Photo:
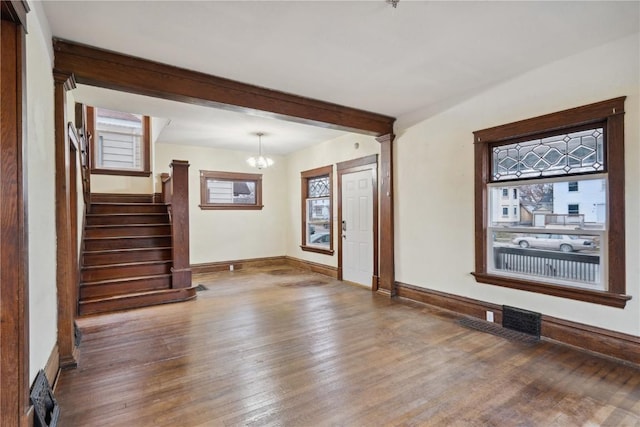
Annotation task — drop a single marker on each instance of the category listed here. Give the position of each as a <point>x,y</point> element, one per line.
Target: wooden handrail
<point>175,193</point>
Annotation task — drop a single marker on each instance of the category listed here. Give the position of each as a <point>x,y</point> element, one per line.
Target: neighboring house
<point>507,209</point>
<point>585,198</point>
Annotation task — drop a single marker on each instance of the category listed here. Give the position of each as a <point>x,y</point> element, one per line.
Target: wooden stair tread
<point>125,264</point>
<point>133,295</point>
<point>126,204</point>
<point>125,237</point>
<point>124,280</point>
<point>126,250</point>
<point>164,224</point>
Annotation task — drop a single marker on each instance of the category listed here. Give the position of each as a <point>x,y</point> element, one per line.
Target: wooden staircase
<point>127,255</point>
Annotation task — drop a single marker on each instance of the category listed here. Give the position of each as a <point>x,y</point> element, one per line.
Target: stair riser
<point>143,230</point>
<point>121,198</point>
<point>122,288</point>
<point>126,256</point>
<point>121,272</point>
<point>107,209</point>
<point>96,307</point>
<point>128,219</point>
<point>139,242</point>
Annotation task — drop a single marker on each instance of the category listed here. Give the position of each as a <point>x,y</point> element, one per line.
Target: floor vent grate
<point>494,329</point>
<point>520,320</point>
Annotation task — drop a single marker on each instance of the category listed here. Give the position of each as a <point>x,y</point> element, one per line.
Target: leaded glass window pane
<point>318,187</point>
<point>565,154</point>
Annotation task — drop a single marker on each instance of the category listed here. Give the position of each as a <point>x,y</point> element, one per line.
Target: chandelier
<point>260,161</point>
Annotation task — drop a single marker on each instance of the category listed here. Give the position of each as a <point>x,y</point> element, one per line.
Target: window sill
<point>316,250</point>
<point>588,295</point>
<point>120,172</point>
<point>231,207</point>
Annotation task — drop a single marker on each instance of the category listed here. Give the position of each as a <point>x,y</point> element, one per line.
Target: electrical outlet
<point>230,267</point>
<point>489,316</point>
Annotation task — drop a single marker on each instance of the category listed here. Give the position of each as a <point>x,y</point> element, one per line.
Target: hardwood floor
<point>280,346</point>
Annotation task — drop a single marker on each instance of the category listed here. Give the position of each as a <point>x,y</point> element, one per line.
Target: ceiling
<point>409,62</point>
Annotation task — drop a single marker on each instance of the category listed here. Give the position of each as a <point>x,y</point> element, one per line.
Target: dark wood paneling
<point>66,269</point>
<point>127,218</point>
<point>111,70</point>
<point>387,261</point>
<point>181,270</point>
<point>14,293</point>
<point>99,208</point>
<point>120,256</point>
<point>591,338</point>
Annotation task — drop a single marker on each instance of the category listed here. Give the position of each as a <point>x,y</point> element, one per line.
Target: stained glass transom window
<point>318,187</point>
<point>565,154</point>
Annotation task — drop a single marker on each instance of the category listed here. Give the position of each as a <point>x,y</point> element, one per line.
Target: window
<point>317,210</point>
<point>505,211</point>
<point>573,209</point>
<point>515,211</point>
<point>555,249</point>
<point>505,192</point>
<point>120,142</point>
<point>515,193</point>
<point>230,191</point>
<point>573,186</point>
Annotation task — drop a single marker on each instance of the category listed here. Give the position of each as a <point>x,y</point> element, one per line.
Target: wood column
<point>14,255</point>
<point>181,270</point>
<point>386,274</point>
<point>66,272</point>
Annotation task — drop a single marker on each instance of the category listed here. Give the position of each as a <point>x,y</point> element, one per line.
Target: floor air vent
<point>495,329</point>
<point>521,320</point>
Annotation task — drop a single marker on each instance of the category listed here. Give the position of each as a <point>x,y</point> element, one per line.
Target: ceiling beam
<point>102,68</point>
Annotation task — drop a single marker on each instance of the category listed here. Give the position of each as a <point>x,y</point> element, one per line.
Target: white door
<point>357,227</point>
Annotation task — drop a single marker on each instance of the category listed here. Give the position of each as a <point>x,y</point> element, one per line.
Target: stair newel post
<point>165,179</point>
<point>181,270</point>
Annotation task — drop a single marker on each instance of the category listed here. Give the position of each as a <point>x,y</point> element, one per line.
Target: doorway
<point>358,221</point>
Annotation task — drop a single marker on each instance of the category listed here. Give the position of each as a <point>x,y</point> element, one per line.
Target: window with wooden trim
<point>317,210</point>
<point>120,142</point>
<point>230,190</point>
<point>566,243</point>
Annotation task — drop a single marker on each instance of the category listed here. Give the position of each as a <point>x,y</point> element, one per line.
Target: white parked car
<point>556,242</point>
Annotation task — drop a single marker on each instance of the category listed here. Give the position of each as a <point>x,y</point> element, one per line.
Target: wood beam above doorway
<point>111,70</point>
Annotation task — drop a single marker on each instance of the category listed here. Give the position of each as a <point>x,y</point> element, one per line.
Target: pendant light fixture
<point>260,161</point>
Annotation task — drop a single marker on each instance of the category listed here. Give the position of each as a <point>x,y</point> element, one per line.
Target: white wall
<point>434,222</point>
<point>225,235</point>
<point>41,188</point>
<point>327,153</point>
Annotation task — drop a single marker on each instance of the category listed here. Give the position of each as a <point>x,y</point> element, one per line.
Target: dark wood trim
<point>66,269</point>
<point>181,269</point>
<point>565,119</point>
<point>387,261</point>
<point>15,11</point>
<point>598,340</point>
<point>369,163</point>
<point>229,176</point>
<point>52,367</point>
<point>98,67</point>
<point>14,262</point>
<point>238,264</point>
<point>120,172</point>
<point>580,294</point>
<point>327,270</point>
<point>611,114</point>
<point>354,163</point>
<point>305,176</point>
